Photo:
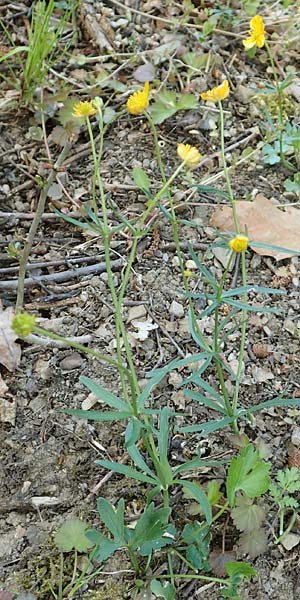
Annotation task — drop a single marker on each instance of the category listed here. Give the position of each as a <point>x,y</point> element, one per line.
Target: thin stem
<point>216,338</point>
<point>225,169</point>
<point>176,234</point>
<point>60,582</point>
<point>243,338</point>
<point>80,347</point>
<point>283,532</point>
<point>120,328</point>
<point>34,226</point>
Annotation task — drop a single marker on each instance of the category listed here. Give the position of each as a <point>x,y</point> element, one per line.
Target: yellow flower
<point>138,101</point>
<point>239,243</point>
<point>190,154</point>
<point>217,93</point>
<point>84,109</point>
<point>23,324</point>
<point>257,33</point>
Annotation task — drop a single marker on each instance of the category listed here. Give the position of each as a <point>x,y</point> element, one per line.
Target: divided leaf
<point>246,515</point>
<point>247,473</point>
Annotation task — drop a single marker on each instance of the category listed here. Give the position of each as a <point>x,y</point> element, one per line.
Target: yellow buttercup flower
<point>239,243</point>
<point>23,324</point>
<point>257,33</point>
<point>217,93</point>
<point>190,154</point>
<point>138,101</point>
<point>84,109</point>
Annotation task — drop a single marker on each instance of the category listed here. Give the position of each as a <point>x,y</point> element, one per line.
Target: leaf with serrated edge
<point>253,542</point>
<point>246,515</point>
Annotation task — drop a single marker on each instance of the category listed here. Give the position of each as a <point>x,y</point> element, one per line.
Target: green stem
<point>134,560</point>
<point>120,328</point>
<point>243,339</point>
<point>61,572</point>
<point>225,169</point>
<point>176,234</point>
<point>80,347</point>
<point>216,339</point>
<point>283,532</point>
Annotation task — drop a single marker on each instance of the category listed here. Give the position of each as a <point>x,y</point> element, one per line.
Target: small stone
<point>296,436</point>
<point>72,361</point>
<point>177,309</point>
<point>222,255</point>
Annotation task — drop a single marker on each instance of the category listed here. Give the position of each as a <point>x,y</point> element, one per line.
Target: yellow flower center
<point>239,243</point>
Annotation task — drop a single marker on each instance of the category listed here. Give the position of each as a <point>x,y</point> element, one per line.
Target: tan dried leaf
<point>10,352</point>
<point>266,223</point>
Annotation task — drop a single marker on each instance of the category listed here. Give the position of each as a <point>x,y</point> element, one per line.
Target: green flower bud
<point>23,324</point>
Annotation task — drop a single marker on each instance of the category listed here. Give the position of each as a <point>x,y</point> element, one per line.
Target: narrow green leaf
<point>113,519</point>
<point>196,463</point>
<point>96,415</point>
<point>141,178</point>
<point>274,402</point>
<point>103,394</point>
<point>272,247</point>
<point>215,405</point>
<point>208,427</point>
<point>251,308</point>
<point>205,272</point>
<point>251,288</point>
<point>138,460</point>
<point>163,433</point>
<point>128,471</point>
<point>199,495</point>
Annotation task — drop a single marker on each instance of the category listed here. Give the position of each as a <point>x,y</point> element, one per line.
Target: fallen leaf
<point>218,560</point>
<point>10,352</point>
<point>266,223</point>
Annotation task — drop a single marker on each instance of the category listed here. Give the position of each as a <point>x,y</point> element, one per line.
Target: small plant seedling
<point>72,536</point>
<point>283,493</point>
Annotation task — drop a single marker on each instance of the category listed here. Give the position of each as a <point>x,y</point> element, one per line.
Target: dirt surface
<point>48,469</point>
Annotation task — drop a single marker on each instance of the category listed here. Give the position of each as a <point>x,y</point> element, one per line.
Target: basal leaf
<point>253,542</point>
<point>247,472</point>
<point>72,535</point>
<point>246,515</point>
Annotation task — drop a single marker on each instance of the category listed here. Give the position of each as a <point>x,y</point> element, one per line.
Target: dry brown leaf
<point>266,223</point>
<point>218,560</point>
<point>10,352</point>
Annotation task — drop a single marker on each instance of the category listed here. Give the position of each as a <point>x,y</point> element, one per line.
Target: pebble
<point>296,436</point>
<point>72,361</point>
<point>177,309</point>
